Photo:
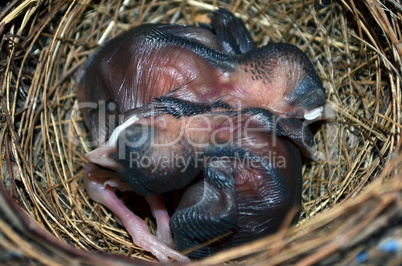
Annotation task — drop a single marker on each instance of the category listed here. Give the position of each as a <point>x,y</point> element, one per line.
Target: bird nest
<point>352,192</point>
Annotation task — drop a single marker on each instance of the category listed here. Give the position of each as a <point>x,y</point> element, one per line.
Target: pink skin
<point>131,70</point>
<point>158,208</point>
<point>162,217</point>
<point>99,189</point>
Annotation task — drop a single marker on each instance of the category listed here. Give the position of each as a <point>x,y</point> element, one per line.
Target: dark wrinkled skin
<point>152,60</point>
<point>248,199</point>
<point>208,72</point>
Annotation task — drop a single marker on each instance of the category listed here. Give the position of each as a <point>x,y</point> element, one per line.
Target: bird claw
<point>99,190</point>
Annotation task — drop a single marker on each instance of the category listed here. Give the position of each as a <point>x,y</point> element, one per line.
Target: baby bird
<point>241,170</point>
<point>197,65</point>
<point>152,85</point>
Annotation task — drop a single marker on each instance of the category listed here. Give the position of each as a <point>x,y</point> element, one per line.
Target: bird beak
<point>101,155</point>
<point>313,113</point>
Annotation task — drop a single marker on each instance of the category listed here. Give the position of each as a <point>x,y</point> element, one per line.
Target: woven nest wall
<point>352,193</point>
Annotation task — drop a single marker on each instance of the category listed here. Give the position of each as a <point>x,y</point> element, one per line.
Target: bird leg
<point>136,227</point>
<point>162,217</point>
